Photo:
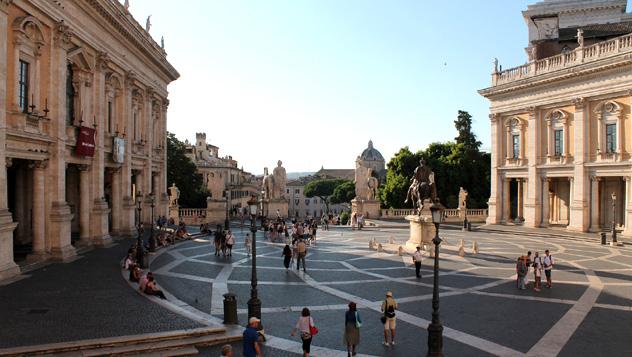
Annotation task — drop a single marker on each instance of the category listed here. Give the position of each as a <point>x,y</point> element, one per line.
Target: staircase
<point>172,343</point>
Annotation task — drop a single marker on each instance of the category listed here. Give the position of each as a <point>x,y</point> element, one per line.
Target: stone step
<point>171,343</point>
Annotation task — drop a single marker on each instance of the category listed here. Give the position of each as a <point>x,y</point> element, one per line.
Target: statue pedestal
<point>215,211</point>
<point>271,205</point>
<point>174,212</point>
<point>422,230</point>
<point>369,208</point>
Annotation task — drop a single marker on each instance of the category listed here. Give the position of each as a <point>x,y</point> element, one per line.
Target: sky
<point>310,82</point>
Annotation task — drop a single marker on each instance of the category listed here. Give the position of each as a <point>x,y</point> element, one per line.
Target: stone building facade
<point>221,175</point>
<point>83,112</point>
<point>302,207</point>
<point>561,124</point>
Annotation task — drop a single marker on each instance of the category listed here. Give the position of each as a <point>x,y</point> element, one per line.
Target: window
<point>559,141</point>
<point>23,87</point>
<point>109,128</point>
<point>287,190</point>
<point>297,191</point>
<point>307,202</point>
<point>70,97</point>
<point>516,146</point>
<point>611,138</point>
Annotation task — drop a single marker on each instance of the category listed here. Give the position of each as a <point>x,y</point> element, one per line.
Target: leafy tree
<point>322,189</point>
<point>183,172</point>
<point>343,193</point>
<point>399,170</point>
<point>463,124</point>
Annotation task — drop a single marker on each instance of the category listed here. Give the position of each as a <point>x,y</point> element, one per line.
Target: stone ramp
<point>171,343</point>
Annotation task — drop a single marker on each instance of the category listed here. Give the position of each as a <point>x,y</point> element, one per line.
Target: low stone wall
<point>452,215</point>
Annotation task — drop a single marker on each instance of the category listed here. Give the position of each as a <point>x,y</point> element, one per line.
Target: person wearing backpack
<point>352,329</point>
<point>388,308</point>
<point>521,271</point>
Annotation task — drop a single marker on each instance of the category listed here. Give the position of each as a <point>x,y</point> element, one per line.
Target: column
<point>620,129</point>
<point>549,140</point>
<point>579,215</point>
<point>495,204</point>
<point>127,211</point>
<point>520,217</point>
<point>594,207</point>
<point>627,203</point>
<point>84,205</point>
<point>39,217</point>
<point>117,200</point>
<point>508,149</point>
<point>60,217</point>
<point>546,201</point>
<point>506,217</point>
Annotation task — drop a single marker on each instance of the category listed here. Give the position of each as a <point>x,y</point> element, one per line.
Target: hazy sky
<point>311,81</point>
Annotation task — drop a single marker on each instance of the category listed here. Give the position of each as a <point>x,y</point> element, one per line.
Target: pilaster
<point>627,231</point>
<point>546,202</point>
<point>39,214</point>
<point>494,204</point>
<point>579,215</point>
<point>532,202</point>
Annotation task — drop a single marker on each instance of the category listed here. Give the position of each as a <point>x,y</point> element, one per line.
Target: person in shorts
<point>388,308</point>
<point>548,266</point>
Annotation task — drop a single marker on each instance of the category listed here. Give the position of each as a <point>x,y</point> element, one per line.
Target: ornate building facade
<point>561,124</point>
<point>221,175</point>
<point>83,112</point>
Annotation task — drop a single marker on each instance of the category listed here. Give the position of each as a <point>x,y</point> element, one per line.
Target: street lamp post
<point>254,304</point>
<point>435,329</point>
<point>152,239</point>
<point>614,218</point>
<point>140,249</point>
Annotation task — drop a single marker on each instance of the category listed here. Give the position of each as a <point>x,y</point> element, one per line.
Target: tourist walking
<point>217,241</point>
<point>548,266</point>
<point>248,244</point>
<point>305,326</point>
<point>417,261</point>
<point>537,271</point>
<point>521,271</point>
<point>230,241</point>
<point>251,339</point>
<point>352,329</point>
<point>301,249</point>
<point>389,320</point>
<point>287,257</point>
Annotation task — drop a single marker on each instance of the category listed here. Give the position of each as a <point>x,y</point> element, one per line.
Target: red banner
<point>86,141</point>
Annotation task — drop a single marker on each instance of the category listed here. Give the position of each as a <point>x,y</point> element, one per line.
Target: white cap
<point>252,320</point>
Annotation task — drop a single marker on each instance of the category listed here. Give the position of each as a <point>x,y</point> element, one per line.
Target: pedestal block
<point>215,211</point>
<point>8,268</point>
<point>59,237</point>
<point>369,208</point>
<point>270,207</point>
<point>422,230</point>
<point>100,235</point>
<point>174,212</point>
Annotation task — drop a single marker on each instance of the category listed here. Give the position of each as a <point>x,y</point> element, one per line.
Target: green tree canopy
<point>183,172</point>
<point>455,164</point>
<point>343,193</point>
<point>322,189</point>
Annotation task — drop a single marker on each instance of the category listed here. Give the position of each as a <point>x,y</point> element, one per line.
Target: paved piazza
<point>481,310</point>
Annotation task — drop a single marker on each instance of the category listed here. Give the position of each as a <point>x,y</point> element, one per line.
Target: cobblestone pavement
<point>482,312</point>
<point>84,299</point>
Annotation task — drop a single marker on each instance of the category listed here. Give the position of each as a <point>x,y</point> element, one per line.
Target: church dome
<point>371,154</point>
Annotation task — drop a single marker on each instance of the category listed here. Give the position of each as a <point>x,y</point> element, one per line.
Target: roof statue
<point>148,23</point>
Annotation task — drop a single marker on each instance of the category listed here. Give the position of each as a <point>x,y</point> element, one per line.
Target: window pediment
<point>29,29</point>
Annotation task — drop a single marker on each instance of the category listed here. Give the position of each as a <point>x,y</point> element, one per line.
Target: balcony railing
<point>578,56</point>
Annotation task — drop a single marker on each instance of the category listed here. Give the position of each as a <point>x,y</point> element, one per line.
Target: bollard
<point>371,245</point>
<point>391,240</point>
<point>469,226</point>
<point>400,251</point>
<point>230,309</point>
<point>379,247</point>
<point>461,251</point>
<point>603,238</point>
<point>475,247</point>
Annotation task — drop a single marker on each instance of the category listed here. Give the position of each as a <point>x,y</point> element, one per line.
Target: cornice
<point>562,74</point>
<point>4,4</point>
<point>117,17</point>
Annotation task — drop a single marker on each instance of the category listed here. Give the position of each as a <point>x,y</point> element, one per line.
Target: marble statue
<point>495,65</point>
<point>580,37</point>
<point>280,180</point>
<point>126,5</point>
<point>462,198</point>
<point>360,181</point>
<point>174,195</point>
<point>148,23</point>
<point>215,185</point>
<point>267,185</point>
<point>162,42</point>
<point>372,184</point>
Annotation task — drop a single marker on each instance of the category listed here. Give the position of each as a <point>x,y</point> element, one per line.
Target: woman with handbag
<point>388,319</point>
<point>352,329</point>
<point>305,325</point>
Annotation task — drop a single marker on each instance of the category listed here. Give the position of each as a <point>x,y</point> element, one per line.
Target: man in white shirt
<point>548,265</point>
<point>417,261</point>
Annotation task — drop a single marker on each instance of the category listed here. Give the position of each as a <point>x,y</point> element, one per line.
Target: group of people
<point>538,265</point>
<point>146,282</point>
<point>357,221</point>
<point>297,253</point>
<point>306,329</point>
<point>223,242</point>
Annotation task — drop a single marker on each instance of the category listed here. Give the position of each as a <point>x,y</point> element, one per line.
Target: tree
<point>463,124</point>
<point>343,193</point>
<point>322,189</point>
<point>183,172</point>
<point>399,170</point>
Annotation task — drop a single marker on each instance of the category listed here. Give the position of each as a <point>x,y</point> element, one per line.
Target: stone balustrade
<point>192,216</point>
<point>397,212</point>
<point>450,214</point>
<point>578,56</point>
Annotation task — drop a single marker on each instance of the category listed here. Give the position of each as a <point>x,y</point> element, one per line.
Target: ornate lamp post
<point>152,239</point>
<point>614,218</point>
<point>435,329</point>
<point>140,249</point>
<point>254,304</point>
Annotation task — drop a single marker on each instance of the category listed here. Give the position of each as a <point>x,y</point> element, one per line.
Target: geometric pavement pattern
<point>587,312</point>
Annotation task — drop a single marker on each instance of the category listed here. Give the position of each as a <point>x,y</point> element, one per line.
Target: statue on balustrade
<point>267,185</point>
<point>422,186</point>
<point>174,195</point>
<point>280,180</point>
<point>372,183</point>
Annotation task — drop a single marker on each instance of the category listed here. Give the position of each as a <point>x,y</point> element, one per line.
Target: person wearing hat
<point>251,339</point>
<point>388,308</point>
